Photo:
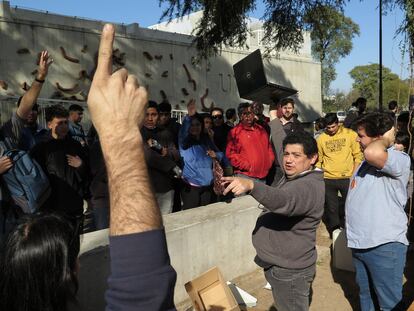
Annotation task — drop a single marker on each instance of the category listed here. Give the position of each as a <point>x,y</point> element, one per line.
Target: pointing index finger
<point>104,68</point>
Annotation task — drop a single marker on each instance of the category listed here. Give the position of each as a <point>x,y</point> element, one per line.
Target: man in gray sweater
<point>285,232</point>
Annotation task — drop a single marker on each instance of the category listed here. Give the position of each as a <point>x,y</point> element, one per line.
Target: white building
<point>162,57</point>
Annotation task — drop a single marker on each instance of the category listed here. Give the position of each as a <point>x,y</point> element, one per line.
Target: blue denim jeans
<point>380,269</point>
<point>291,287</point>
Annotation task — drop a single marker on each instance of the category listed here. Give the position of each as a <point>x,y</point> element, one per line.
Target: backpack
<point>28,185</point>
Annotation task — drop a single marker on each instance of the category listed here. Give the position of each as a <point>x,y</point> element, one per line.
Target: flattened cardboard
<point>209,292</point>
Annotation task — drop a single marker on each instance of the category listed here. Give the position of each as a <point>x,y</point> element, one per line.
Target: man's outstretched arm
<point>141,275</point>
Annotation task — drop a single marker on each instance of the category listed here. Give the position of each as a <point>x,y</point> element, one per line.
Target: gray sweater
<point>285,233</point>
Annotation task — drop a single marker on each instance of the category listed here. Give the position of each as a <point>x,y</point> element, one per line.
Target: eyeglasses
<point>247,113</point>
<point>217,116</point>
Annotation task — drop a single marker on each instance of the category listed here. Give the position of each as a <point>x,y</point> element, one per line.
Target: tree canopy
<point>224,21</point>
<point>366,83</point>
<point>331,34</point>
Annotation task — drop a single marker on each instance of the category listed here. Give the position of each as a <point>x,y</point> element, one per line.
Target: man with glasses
<point>248,147</point>
<point>220,129</point>
<point>75,127</point>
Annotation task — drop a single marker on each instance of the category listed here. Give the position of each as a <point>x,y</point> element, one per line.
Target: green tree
<point>366,83</point>
<point>331,34</point>
<point>224,21</point>
<point>339,101</point>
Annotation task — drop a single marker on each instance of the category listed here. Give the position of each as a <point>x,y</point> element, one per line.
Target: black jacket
<point>68,184</point>
<point>159,167</point>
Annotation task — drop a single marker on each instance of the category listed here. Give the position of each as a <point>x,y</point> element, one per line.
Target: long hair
<point>204,139</point>
<point>38,265</point>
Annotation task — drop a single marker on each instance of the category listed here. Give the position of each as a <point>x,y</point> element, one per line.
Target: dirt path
<point>333,290</point>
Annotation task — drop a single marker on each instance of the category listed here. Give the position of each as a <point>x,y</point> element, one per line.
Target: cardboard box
<point>209,292</point>
<point>342,255</point>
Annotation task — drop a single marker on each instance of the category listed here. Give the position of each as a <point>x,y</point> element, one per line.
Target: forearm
<point>273,199</point>
<point>133,209</point>
<point>29,99</point>
<point>278,135</point>
<point>376,153</point>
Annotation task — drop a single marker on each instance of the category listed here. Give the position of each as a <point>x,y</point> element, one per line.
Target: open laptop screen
<point>249,73</point>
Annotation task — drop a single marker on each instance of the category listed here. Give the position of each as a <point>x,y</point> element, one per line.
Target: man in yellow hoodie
<point>339,155</point>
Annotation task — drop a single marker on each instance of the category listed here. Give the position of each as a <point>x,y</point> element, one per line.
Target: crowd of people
<point>137,163</point>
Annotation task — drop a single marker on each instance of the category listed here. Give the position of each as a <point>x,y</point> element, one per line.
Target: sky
<point>148,12</point>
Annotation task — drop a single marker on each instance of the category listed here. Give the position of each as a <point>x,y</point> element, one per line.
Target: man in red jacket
<point>248,146</point>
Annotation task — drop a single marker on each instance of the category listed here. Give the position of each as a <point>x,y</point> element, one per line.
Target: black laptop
<point>252,83</point>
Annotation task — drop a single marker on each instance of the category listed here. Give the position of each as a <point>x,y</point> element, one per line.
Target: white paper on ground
<point>242,297</point>
<point>267,286</point>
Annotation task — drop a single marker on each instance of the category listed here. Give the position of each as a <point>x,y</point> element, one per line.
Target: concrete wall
<point>198,239</point>
<point>28,32</point>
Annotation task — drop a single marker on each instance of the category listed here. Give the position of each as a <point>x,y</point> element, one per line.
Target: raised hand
<point>44,63</point>
<point>116,101</point>
<point>191,107</point>
<point>117,105</point>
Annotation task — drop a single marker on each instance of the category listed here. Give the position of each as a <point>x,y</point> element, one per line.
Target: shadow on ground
<point>408,289</point>
<point>346,280</point>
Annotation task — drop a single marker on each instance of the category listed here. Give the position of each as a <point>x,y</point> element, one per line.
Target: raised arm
<point>278,134</point>
<point>116,99</point>
<point>30,97</point>
<point>141,275</point>
<point>376,152</point>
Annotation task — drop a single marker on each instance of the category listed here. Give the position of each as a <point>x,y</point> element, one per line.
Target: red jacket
<point>249,150</point>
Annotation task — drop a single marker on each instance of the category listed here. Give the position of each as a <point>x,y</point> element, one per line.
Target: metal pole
<point>380,57</point>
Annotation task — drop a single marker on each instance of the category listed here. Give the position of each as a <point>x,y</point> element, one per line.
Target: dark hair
<point>286,101</point>
<point>241,107</point>
<point>75,107</point>
<point>205,115</point>
<point>404,117</point>
<point>55,111</point>
<point>217,109</point>
<point>331,118</point>
<point>35,105</point>
<point>164,107</point>
<point>190,140</point>
<point>274,106</point>
<point>257,106</point>
<point>152,104</point>
<point>392,105</point>
<point>230,113</point>
<point>375,123</point>
<point>404,139</point>
<point>38,265</point>
<point>303,138</point>
<point>320,123</point>
<point>360,100</point>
